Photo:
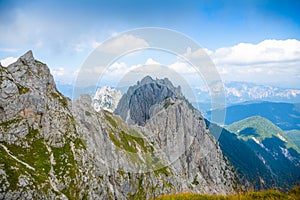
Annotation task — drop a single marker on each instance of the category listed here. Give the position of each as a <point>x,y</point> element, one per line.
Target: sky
<point>254,41</point>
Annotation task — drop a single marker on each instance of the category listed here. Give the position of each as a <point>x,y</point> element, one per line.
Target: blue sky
<point>63,33</point>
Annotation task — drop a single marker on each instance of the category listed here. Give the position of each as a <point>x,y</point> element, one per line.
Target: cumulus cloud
<point>7,61</point>
<point>121,44</point>
<point>64,75</point>
<point>199,53</point>
<point>267,51</point>
<point>150,61</point>
<point>270,61</point>
<point>182,67</point>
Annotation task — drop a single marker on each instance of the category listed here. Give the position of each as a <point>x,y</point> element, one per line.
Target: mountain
<point>284,115</point>
<point>53,148</point>
<point>239,92</point>
<point>260,152</point>
<point>294,136</point>
<point>280,156</point>
<point>253,172</point>
<point>235,93</point>
<point>179,130</point>
<point>137,104</point>
<point>106,98</point>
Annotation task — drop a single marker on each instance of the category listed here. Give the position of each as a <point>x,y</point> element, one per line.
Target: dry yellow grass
<point>293,194</point>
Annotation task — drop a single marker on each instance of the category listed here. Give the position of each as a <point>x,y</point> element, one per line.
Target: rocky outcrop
<point>52,148</point>
<point>40,147</point>
<point>135,106</point>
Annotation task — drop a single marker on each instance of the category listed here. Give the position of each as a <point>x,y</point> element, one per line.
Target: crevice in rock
<point>1,110</point>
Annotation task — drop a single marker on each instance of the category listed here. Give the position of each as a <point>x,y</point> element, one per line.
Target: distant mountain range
<point>241,91</point>
<point>236,92</point>
<point>284,115</point>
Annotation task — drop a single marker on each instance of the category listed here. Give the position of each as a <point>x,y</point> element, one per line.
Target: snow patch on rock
<point>106,98</point>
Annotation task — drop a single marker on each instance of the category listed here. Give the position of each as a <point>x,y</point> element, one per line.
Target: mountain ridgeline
<point>53,148</point>
<point>137,105</point>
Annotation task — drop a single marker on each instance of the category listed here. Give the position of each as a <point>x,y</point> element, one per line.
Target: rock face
<point>52,148</point>
<point>106,98</point>
<point>39,145</point>
<point>179,132</point>
<point>135,106</point>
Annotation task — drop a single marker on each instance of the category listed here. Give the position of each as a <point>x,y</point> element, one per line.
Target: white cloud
<point>267,51</point>
<point>7,61</point>
<point>119,69</point>
<point>64,75</point>
<point>199,53</point>
<point>9,50</point>
<point>274,62</point>
<point>58,72</point>
<point>121,44</point>
<point>150,61</point>
<point>183,68</point>
<point>270,61</point>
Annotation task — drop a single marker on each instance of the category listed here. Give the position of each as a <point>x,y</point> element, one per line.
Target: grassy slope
<point>293,194</point>
<point>259,127</point>
<point>294,135</point>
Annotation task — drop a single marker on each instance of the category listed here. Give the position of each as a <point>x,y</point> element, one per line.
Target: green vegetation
<point>130,140</point>
<point>254,126</point>
<point>108,118</point>
<point>260,128</point>
<point>35,155</point>
<point>60,98</point>
<point>87,113</point>
<point>294,135</point>
<point>195,182</point>
<point>167,104</point>
<point>162,170</point>
<point>66,167</point>
<point>293,194</point>
<point>22,89</point>
<point>6,125</point>
<point>12,168</point>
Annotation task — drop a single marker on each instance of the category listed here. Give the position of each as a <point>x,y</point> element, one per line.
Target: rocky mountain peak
<point>27,57</point>
<point>136,105</point>
<point>31,73</point>
<point>146,80</point>
<point>106,98</point>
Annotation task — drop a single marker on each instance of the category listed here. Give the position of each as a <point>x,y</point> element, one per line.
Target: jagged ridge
<point>54,148</point>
